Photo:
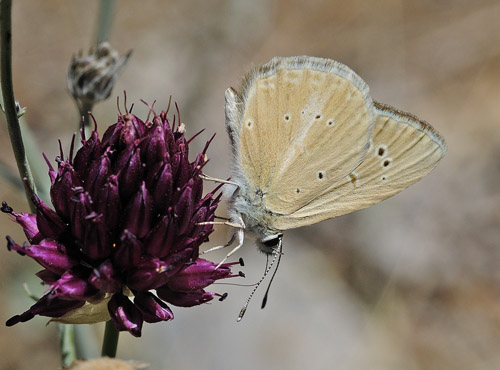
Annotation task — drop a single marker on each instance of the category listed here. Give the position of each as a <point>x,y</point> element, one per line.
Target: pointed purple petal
<point>178,260</point>
<point>47,220</point>
<point>112,134</point>
<point>196,184</point>
<point>150,274</point>
<point>130,175</point>
<point>97,242</point>
<point>129,251</point>
<point>153,309</point>
<point>72,287</point>
<point>87,154</point>
<point>184,299</point>
<point>154,148</point>
<point>108,202</point>
<point>138,213</point>
<point>47,276</point>
<point>28,223</point>
<point>46,306</point>
<point>106,278</point>
<point>160,184</point>
<point>160,240</point>
<point>80,209</point>
<point>61,190</point>
<point>184,210</point>
<point>48,253</point>
<point>125,315</point>
<point>184,171</point>
<point>98,174</point>
<point>197,276</point>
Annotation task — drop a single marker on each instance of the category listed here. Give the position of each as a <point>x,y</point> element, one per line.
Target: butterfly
<point>310,144</point>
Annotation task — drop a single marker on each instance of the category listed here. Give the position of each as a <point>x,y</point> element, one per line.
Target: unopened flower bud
<point>91,78</point>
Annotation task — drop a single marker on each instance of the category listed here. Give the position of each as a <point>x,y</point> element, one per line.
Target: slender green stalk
<point>8,98</point>
<point>67,344</point>
<point>68,353</point>
<point>85,343</point>
<point>110,342</point>
<point>106,13</point>
<point>33,152</point>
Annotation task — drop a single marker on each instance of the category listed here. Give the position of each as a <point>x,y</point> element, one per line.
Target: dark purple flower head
<point>125,224</point>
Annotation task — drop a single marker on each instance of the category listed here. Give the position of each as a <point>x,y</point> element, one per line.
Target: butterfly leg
<point>221,246</point>
<point>240,234</point>
<point>241,237</point>
<point>227,223</point>
<point>214,179</point>
<point>237,225</point>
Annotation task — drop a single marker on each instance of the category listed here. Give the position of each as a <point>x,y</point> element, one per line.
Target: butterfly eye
<point>269,243</point>
<point>272,243</point>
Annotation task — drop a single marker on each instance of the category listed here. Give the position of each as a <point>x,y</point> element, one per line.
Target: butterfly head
<point>248,209</point>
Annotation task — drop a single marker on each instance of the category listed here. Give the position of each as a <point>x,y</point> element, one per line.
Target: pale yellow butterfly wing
<point>403,150</point>
<point>298,121</point>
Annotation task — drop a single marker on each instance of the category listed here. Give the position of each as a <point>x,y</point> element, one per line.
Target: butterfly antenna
<point>264,300</point>
<point>267,262</point>
<point>277,254</point>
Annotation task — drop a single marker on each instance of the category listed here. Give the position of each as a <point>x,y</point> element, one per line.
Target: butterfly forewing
<point>402,150</point>
<point>305,124</point>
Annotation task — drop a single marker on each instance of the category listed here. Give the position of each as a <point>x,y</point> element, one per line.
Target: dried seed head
<point>91,78</point>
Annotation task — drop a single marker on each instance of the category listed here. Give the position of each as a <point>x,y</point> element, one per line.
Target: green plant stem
<point>105,20</point>
<point>9,101</point>
<point>86,345</point>
<point>68,353</point>
<point>67,344</point>
<point>110,341</point>
<point>38,166</point>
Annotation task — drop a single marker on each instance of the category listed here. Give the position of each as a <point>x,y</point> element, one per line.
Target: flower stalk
<point>105,21</point>
<point>67,344</point>
<point>9,102</point>
<point>110,341</point>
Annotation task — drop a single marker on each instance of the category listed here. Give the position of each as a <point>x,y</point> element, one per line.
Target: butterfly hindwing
<point>402,150</point>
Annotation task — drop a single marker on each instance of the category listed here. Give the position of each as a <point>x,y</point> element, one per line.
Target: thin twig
<point>110,342</point>
<point>9,103</point>
<point>106,13</point>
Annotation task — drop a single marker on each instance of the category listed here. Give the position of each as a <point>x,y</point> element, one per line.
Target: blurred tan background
<point>412,283</point>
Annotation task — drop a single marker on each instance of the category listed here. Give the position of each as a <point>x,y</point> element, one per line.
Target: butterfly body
<point>310,144</point>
